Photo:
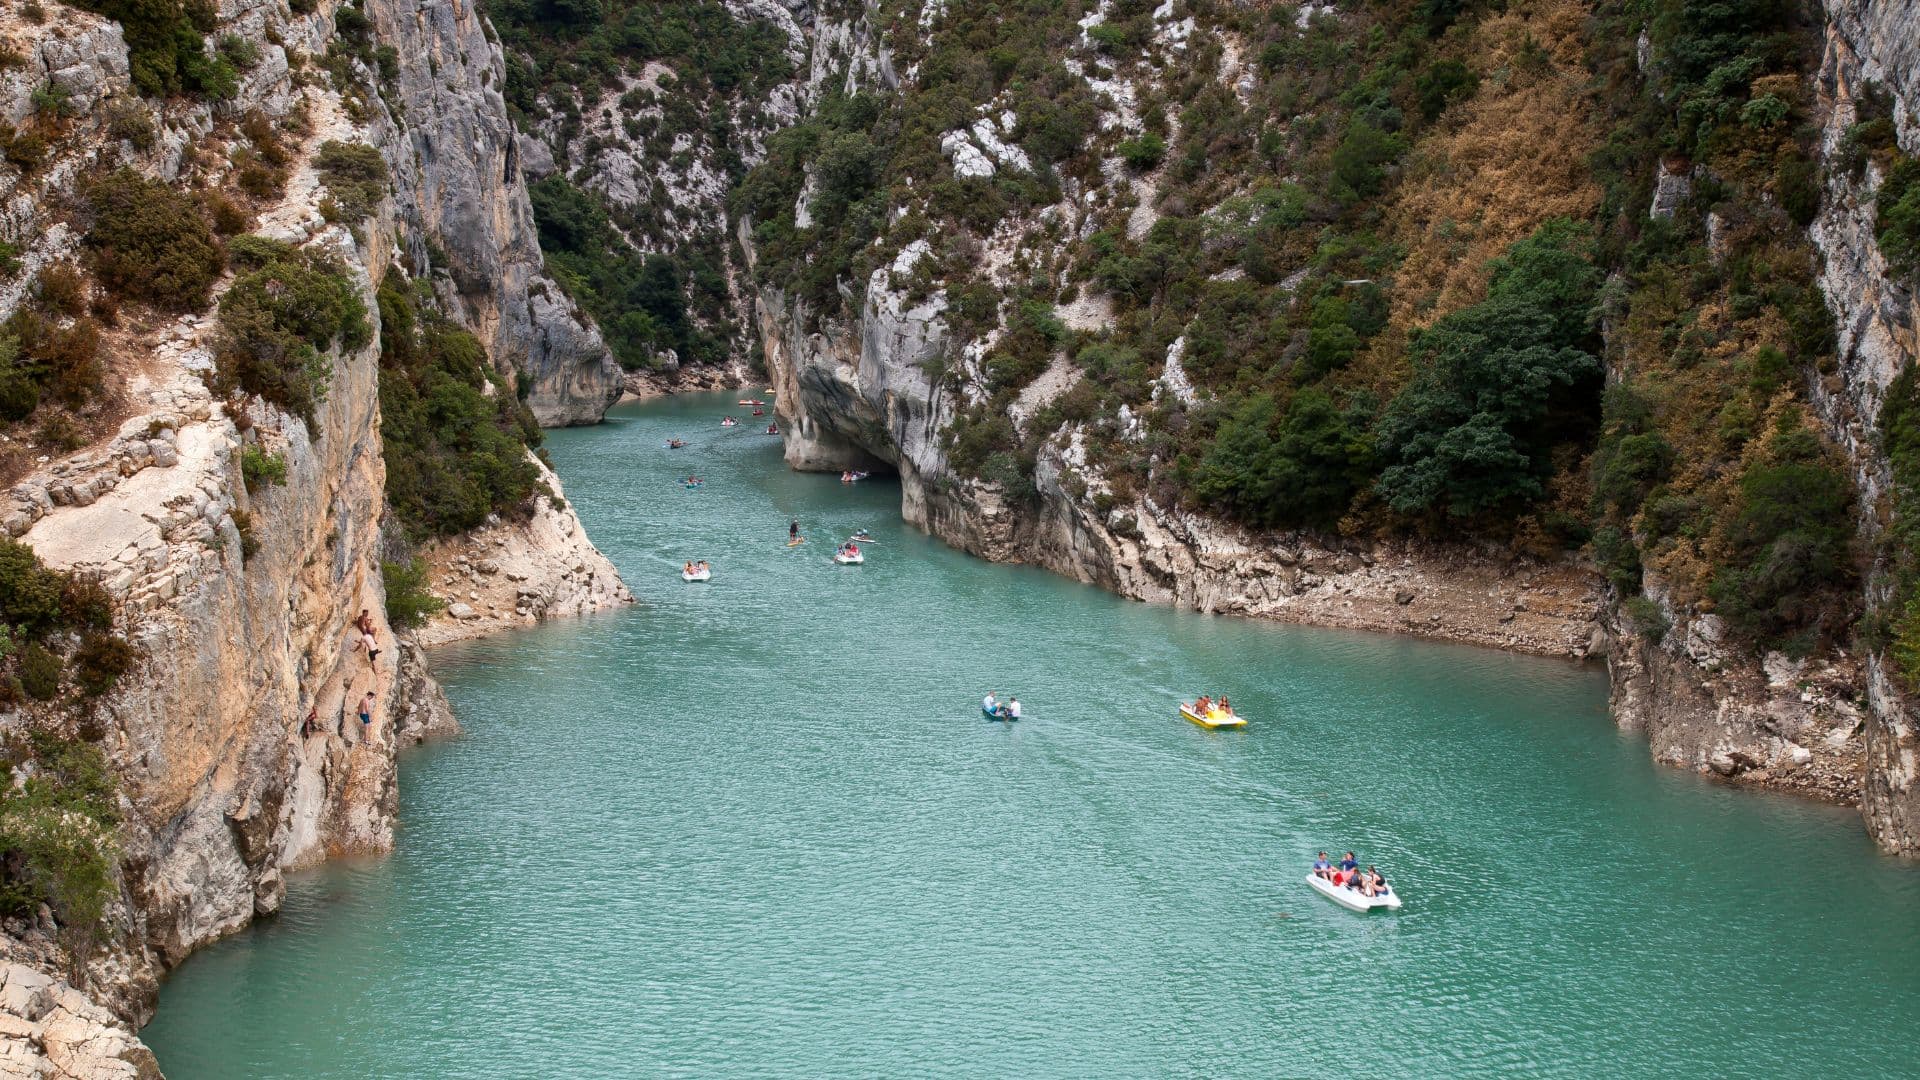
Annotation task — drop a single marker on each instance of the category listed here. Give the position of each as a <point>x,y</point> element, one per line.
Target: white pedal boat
<point>1354,899</point>
<point>702,574</point>
<point>845,559</point>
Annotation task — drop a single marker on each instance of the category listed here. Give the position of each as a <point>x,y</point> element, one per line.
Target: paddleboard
<point>796,542</point>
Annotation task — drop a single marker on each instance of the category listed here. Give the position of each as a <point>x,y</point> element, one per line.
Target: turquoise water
<point>757,828</point>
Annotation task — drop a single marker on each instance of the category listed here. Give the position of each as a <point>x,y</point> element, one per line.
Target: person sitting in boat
<point>1349,864</point>
<point>1013,708</point>
<point>990,704</point>
<point>853,548</point>
<point>846,477</point>
<point>1204,705</point>
<point>1223,706</point>
<point>1378,883</point>
<point>773,429</point>
<point>1322,868</point>
<point>687,569</point>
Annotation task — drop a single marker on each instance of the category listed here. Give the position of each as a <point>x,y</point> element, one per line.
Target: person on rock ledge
<point>364,624</point>
<point>366,717</point>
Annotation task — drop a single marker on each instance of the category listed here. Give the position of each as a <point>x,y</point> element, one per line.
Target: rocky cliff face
<point>1875,317</point>
<point>459,171</point>
<point>235,740</point>
<point>886,386</point>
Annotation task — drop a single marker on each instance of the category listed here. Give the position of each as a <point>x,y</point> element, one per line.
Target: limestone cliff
<point>890,372</point>
<point>235,740</point>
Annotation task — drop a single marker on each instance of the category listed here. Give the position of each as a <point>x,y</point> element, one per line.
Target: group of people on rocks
<point>366,640</point>
<point>1347,874</point>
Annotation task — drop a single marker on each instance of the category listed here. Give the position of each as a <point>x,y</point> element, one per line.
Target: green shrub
<point>260,468</point>
<point>1301,470</point>
<point>1143,153</point>
<point>57,836</point>
<point>100,661</point>
<point>40,671</point>
<point>355,176</point>
<point>1789,539</point>
<point>166,46</point>
<point>454,454</point>
<point>150,242</point>
<point>409,600</point>
<point>30,594</point>
<point>277,323</point>
<point>1648,619</point>
<point>1897,216</point>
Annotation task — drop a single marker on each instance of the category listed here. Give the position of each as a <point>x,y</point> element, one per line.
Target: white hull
<point>849,560</point>
<point>703,575</point>
<point>1352,899</point>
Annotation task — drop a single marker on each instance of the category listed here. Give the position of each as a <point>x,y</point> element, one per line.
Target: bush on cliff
<point>454,453</point>
<point>278,323</point>
<point>409,597</point>
<point>167,48</point>
<point>151,242</point>
<point>1789,541</point>
<point>58,816</point>
<point>1897,216</point>
<point>356,180</point>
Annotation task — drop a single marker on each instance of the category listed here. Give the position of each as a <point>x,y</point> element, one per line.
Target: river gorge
<point>757,827</point>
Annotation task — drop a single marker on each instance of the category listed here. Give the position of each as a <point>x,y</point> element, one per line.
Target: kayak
<point>697,575</point>
<point>1213,718</point>
<point>845,559</point>
<point>1353,899</point>
<point>861,538</point>
<point>991,715</point>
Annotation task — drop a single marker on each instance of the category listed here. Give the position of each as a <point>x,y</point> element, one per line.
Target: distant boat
<point>674,444</point>
<point>847,557</point>
<point>1212,718</point>
<point>749,401</point>
<point>702,574</point>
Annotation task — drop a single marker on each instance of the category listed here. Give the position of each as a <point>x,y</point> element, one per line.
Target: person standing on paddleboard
<point>793,530</point>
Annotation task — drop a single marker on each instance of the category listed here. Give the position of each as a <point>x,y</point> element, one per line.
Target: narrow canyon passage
<point>757,827</point>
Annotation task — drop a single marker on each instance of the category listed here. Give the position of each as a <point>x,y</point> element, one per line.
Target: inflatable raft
<point>702,574</point>
<point>849,559</point>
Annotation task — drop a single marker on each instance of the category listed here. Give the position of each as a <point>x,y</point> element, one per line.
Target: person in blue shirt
<point>1349,864</point>
<point>1321,867</point>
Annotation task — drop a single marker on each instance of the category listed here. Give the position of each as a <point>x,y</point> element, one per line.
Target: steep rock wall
<point>1870,42</point>
<point>886,385</point>
<point>243,602</point>
<point>458,168</point>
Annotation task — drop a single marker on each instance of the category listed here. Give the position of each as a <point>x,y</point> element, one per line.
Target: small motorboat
<point>749,401</point>
<point>773,429</point>
<point>1212,718</point>
<point>759,412</point>
<point>702,573</point>
<point>848,556</point>
<point>860,537</point>
<point>1354,899</point>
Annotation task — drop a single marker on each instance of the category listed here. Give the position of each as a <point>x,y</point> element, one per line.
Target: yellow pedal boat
<point>1212,718</point>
